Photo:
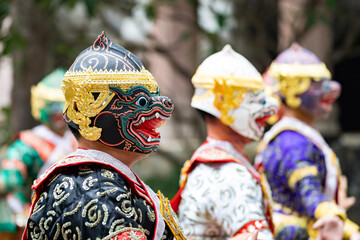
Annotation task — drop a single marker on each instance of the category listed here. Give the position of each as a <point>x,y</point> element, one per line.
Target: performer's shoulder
<point>291,137</point>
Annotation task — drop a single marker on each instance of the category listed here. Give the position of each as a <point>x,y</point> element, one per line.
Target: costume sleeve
<point>91,203</point>
<point>20,162</point>
<point>222,200</point>
<point>303,165</point>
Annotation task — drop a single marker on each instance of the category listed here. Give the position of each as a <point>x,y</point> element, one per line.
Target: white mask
<point>250,115</point>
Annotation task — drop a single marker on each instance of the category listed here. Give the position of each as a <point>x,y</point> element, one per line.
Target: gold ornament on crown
<point>290,87</point>
<point>201,80</point>
<point>79,86</point>
<point>227,98</point>
<point>315,71</point>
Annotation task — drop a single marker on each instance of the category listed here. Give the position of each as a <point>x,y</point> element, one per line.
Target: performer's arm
<point>303,177</point>
<point>302,163</point>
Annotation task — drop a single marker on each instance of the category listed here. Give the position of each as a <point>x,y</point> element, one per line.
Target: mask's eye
<point>263,101</point>
<point>142,101</point>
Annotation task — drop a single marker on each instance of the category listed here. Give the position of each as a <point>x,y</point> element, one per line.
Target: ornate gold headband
<point>124,80</point>
<point>297,70</point>
<point>78,87</point>
<point>208,81</point>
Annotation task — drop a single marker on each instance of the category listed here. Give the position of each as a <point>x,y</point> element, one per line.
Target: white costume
<point>222,197</point>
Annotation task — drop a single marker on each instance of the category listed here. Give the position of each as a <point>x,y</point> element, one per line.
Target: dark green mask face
<point>130,120</point>
<point>51,115</point>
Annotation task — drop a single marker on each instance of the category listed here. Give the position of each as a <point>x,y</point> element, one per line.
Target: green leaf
<point>4,9</point>
<point>91,7</point>
<point>311,18</point>
<point>193,2</point>
<point>221,19</point>
<point>12,42</point>
<point>150,11</point>
<point>71,3</point>
<point>331,4</point>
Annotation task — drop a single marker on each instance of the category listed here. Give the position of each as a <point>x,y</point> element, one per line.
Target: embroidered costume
<point>112,101</point>
<point>221,195</point>
<point>96,197</point>
<point>33,151</point>
<point>301,168</point>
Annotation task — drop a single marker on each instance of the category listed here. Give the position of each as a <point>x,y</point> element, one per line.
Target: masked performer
<point>302,170</point>
<point>221,195</point>
<point>113,107</point>
<point>33,149</point>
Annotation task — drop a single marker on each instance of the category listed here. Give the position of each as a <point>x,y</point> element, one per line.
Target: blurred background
<point>172,37</point>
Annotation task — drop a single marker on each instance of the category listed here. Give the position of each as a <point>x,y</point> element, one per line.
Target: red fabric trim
<point>15,164</point>
<point>41,146</point>
<point>153,205</point>
<point>175,201</point>
<point>253,226</point>
<point>67,162</point>
<point>130,235</point>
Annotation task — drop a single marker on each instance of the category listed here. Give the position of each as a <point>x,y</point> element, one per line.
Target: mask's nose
<point>335,88</point>
<point>163,100</point>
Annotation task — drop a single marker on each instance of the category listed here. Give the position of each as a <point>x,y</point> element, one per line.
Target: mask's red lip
<point>145,127</point>
<point>261,117</point>
<point>327,100</point>
<point>262,121</point>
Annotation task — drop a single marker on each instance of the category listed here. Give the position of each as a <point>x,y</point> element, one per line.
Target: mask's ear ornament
<point>107,90</point>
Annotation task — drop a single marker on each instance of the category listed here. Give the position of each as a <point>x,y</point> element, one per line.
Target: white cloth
<point>219,199</point>
<point>63,145</point>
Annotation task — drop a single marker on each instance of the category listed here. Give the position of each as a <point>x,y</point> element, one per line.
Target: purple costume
<point>303,173</point>
<point>302,170</point>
